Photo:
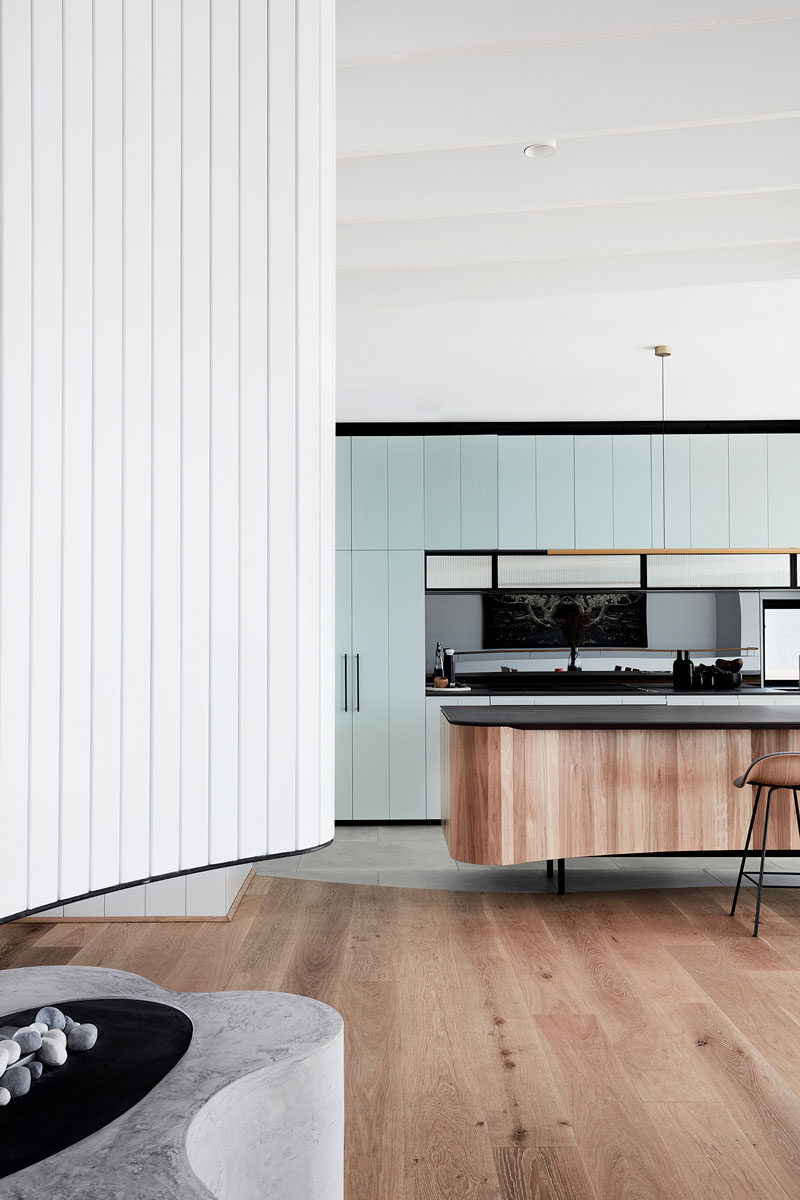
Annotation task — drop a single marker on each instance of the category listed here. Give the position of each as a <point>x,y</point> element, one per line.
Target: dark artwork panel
<point>528,620</point>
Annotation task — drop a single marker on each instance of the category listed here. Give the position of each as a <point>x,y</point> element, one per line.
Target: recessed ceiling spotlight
<point>541,149</point>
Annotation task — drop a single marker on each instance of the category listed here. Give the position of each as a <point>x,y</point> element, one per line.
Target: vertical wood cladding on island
<point>167,479</point>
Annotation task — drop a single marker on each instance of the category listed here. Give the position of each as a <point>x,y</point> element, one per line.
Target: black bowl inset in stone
<point>138,1043</point>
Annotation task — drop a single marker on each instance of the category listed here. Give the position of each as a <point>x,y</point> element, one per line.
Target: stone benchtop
<point>626,716</point>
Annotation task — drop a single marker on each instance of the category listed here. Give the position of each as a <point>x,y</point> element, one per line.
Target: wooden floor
<point>626,1046</point>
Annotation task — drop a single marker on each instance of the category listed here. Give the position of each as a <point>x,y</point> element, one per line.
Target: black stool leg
<point>549,868</point>
<point>763,856</point>
<point>562,877</point>
<point>796,808</point>
<point>746,845</point>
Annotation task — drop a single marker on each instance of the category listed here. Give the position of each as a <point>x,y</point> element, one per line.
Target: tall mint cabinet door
<point>369,475</point>
<point>343,493</point>
<point>443,493</point>
<point>479,492</point>
<point>555,492</point>
<point>784,489</point>
<point>406,493</point>
<point>406,685</point>
<point>632,492</point>
<point>747,472</point>
<point>594,492</point>
<point>677,491</point>
<point>709,490</point>
<point>370,685</point>
<point>344,688</point>
<point>516,492</point>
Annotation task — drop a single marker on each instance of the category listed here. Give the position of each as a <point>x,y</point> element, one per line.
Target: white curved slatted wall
<point>166,598</point>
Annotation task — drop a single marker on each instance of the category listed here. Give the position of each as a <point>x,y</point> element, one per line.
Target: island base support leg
<point>549,868</point>
<point>562,877</point>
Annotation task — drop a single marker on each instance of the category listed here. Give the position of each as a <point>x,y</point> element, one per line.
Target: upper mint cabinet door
<point>784,488</point>
<point>406,685</point>
<point>406,493</point>
<point>369,474</point>
<point>632,492</point>
<point>443,492</point>
<point>709,490</point>
<point>677,492</point>
<point>516,492</point>
<point>343,493</point>
<point>479,492</point>
<point>747,465</point>
<point>594,493</point>
<point>555,492</point>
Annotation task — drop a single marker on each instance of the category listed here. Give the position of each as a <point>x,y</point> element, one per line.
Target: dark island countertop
<point>626,716</point>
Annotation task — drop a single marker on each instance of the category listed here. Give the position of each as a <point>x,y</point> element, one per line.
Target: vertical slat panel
<point>76,633</point>
<point>405,682</point>
<point>406,493</point>
<point>677,491</point>
<point>784,493</point>
<point>15,479</point>
<point>224,416</point>
<point>195,415</point>
<point>516,492</point>
<point>442,493</point>
<point>747,468</point>
<point>709,484</point>
<point>282,405</point>
<point>46,453</point>
<point>166,679</point>
<point>370,484</point>
<point>555,492</point>
<point>371,715</point>
<point>343,493</point>
<point>479,492</point>
<point>309,647</point>
<point>594,492</point>
<point>253,431</point>
<point>344,687</point>
<point>137,448</point>
<point>107,467</point>
<point>632,491</point>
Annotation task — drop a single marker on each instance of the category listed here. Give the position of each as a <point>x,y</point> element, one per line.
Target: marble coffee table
<point>254,1109</point>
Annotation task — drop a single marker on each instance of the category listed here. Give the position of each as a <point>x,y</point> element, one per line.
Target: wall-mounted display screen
<point>522,620</point>
<point>781,642</point>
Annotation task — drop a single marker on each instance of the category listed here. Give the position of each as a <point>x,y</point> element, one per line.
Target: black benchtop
<point>626,716</point>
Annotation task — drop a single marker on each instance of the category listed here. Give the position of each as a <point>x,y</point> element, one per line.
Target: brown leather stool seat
<point>774,772</point>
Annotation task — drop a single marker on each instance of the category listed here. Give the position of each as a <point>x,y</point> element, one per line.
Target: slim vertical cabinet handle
<point>358,683</point>
<point>345,683</point>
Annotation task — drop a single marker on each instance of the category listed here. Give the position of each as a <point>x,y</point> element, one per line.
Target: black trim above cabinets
<point>415,428</point>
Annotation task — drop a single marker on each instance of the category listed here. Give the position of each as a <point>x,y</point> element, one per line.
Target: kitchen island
<point>550,782</point>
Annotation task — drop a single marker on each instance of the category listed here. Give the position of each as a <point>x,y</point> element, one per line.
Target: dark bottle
<point>682,671</point>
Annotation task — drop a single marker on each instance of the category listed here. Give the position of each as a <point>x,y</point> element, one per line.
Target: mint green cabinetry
<point>709,489</point>
<point>479,491</point>
<point>405,679</point>
<point>783,491</point>
<point>343,506</point>
<point>594,492</point>
<point>516,491</point>
<point>369,484</point>
<point>343,678</point>
<point>677,491</point>
<point>406,493</point>
<point>555,492</point>
<point>747,473</point>
<point>443,492</point>
<point>632,496</point>
<point>371,684</point>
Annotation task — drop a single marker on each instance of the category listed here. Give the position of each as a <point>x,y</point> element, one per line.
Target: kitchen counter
<point>620,716</point>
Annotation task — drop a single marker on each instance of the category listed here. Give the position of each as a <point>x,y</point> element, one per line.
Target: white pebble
<point>56,1035</point>
<point>3,1060</point>
<point>12,1049</point>
<point>5,1096</point>
<point>52,1053</point>
<point>39,1026</point>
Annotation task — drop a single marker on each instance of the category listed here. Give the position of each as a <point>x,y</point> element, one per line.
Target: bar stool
<point>775,772</point>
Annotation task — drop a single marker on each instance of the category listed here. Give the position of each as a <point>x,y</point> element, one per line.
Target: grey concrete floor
<point>415,856</point>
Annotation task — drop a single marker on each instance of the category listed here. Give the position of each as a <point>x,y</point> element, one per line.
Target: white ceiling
<point>678,162</point>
